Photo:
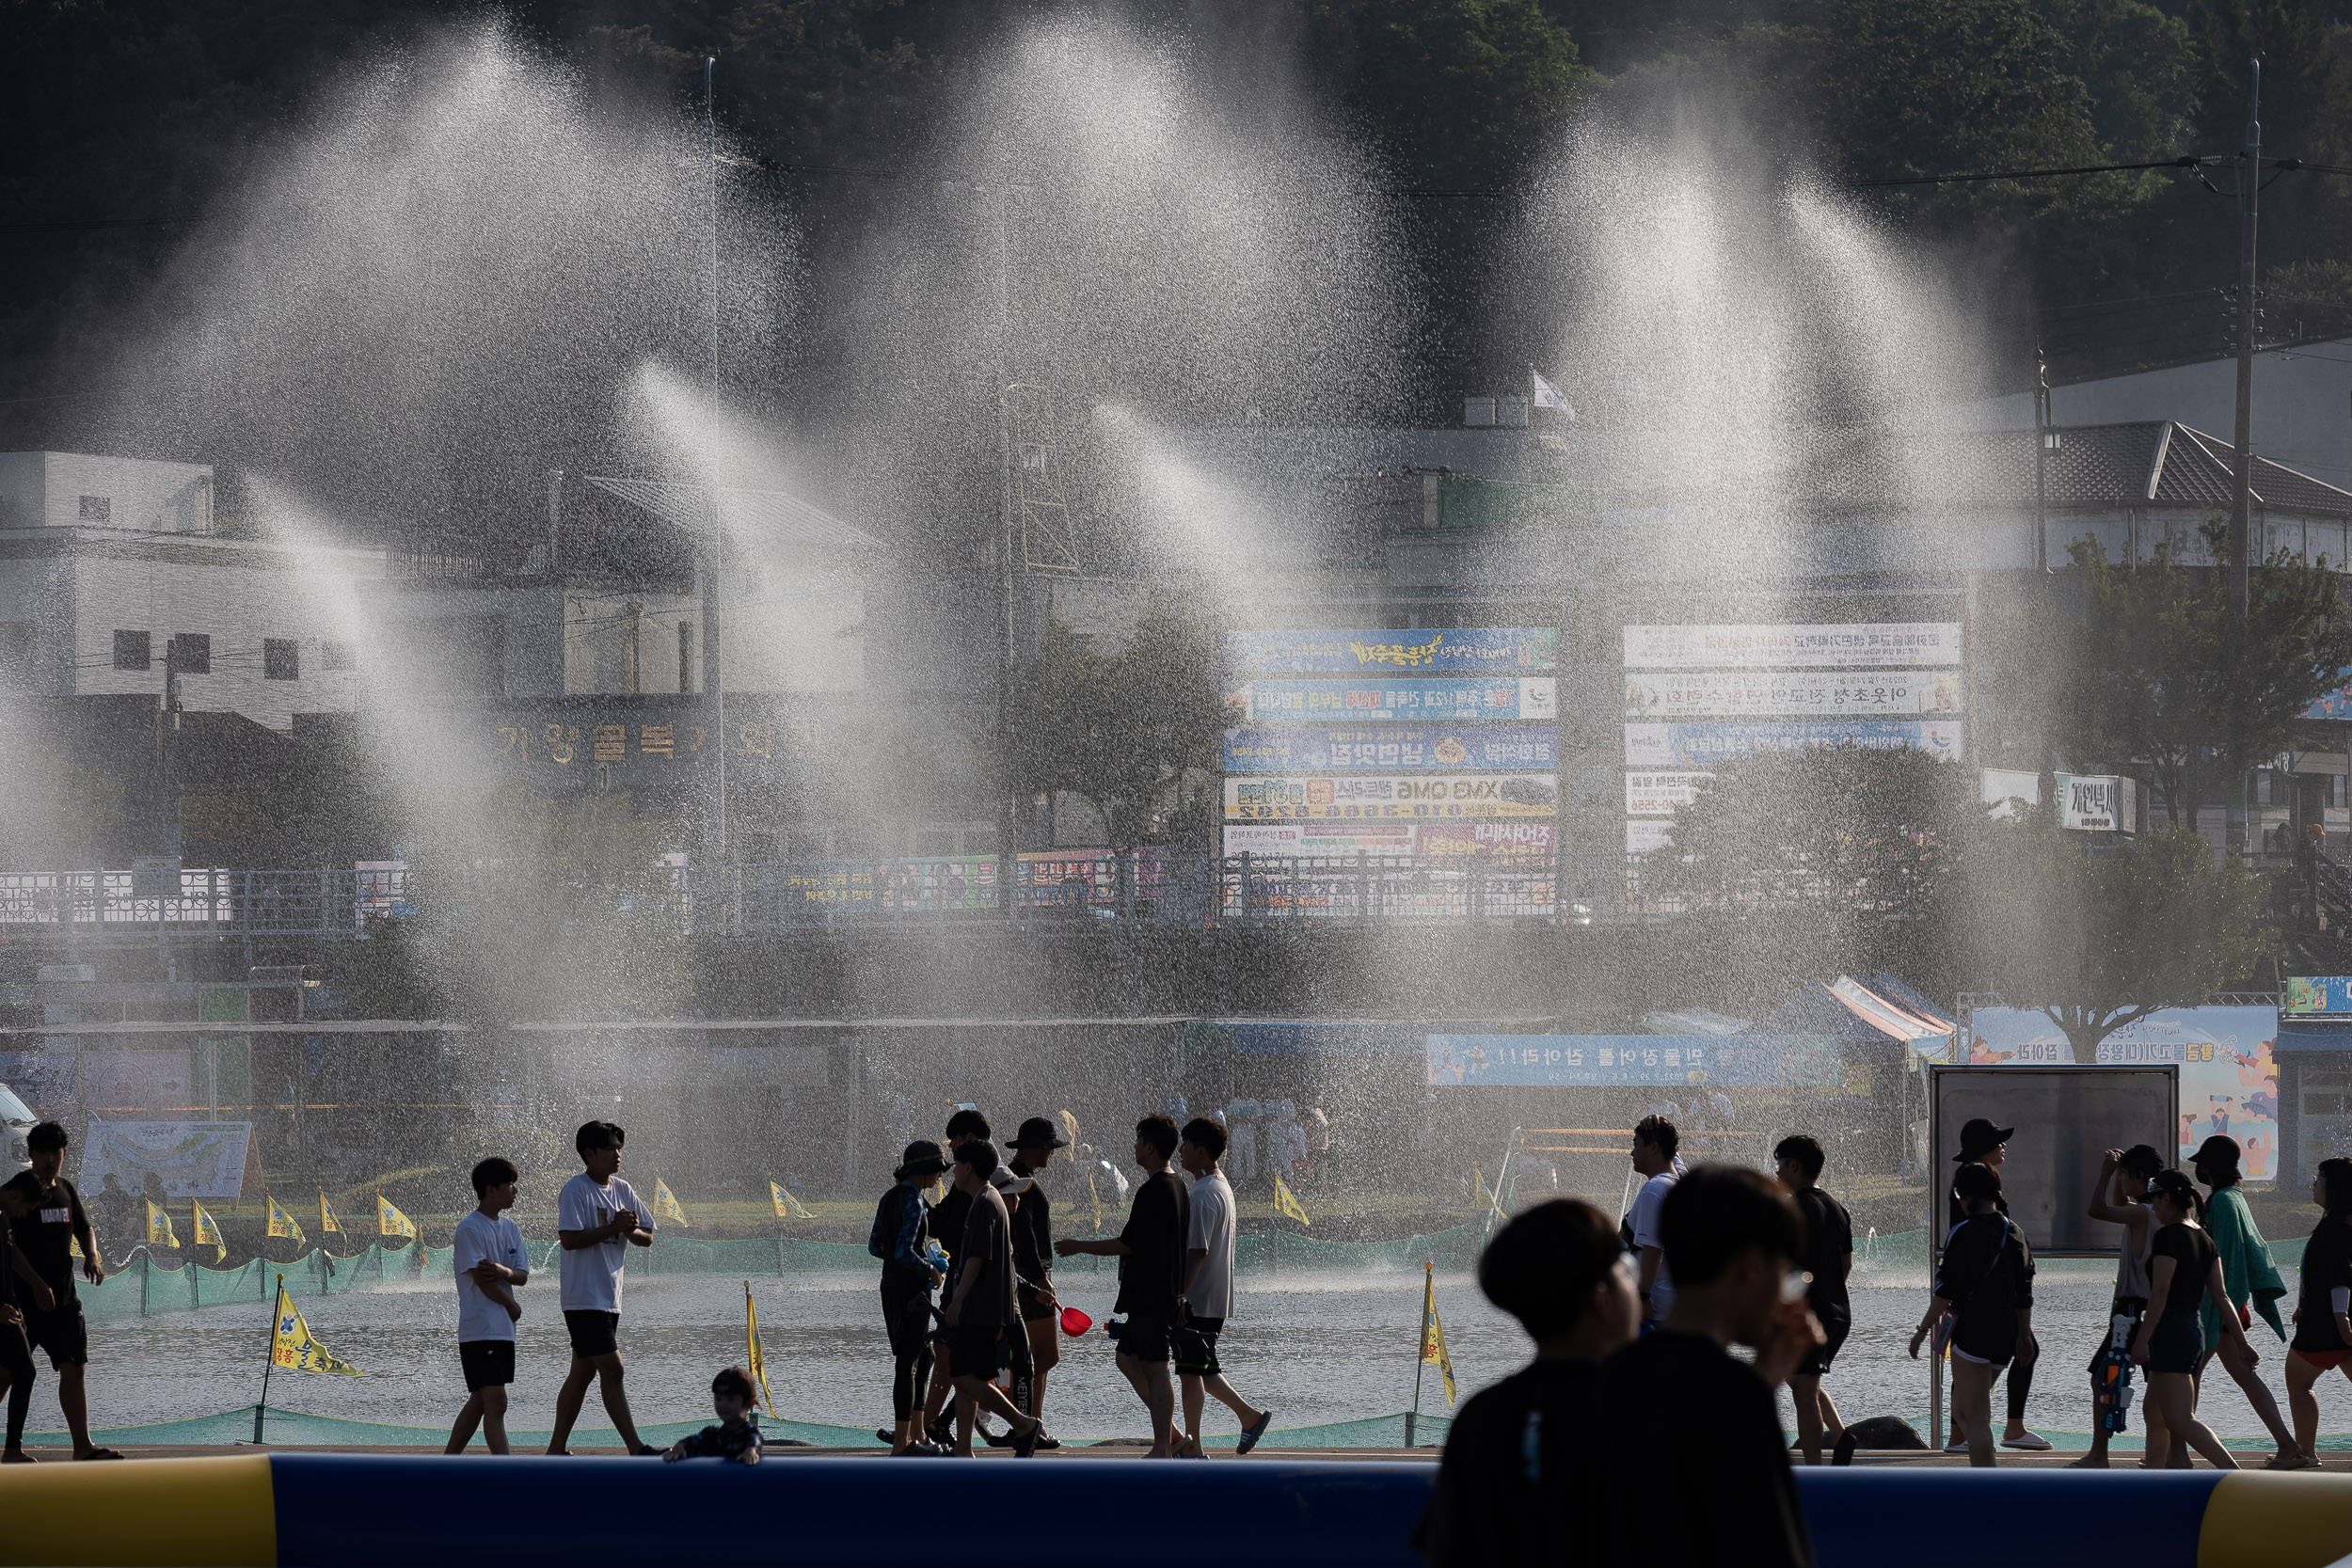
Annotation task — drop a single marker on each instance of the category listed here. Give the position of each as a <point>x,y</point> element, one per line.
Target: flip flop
<point>2291,1462</point>
<point>99,1453</point>
<point>1249,1438</point>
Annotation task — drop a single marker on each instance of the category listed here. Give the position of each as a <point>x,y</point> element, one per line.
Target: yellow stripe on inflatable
<point>200,1512</point>
<point>2267,1519</point>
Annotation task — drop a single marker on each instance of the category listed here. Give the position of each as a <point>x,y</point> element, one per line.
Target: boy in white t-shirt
<point>1655,1141</point>
<point>1208,1291</point>
<point>491,1262</point>
<point>597,1219</point>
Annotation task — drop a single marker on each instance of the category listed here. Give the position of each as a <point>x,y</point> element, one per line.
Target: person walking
<point>598,1217</point>
<point>2323,1312</point>
<point>1983,1144</point>
<point>1150,1254</point>
<point>1033,1149</point>
<point>1655,1141</point>
<point>2183,1269</point>
<point>1829,1259</point>
<point>2118,1198</point>
<point>490,1262</point>
<point>51,1220</point>
<point>949,1217</point>
<point>1208,1290</point>
<point>1985,1283</point>
<point>16,1356</point>
<point>902,1239</point>
<point>982,1310</point>
<point>2250,1279</point>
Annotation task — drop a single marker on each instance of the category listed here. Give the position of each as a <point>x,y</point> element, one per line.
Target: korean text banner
<point>1431,699</point>
<point>1593,1061</point>
<point>1459,650</point>
<point>1651,745</point>
<point>1729,694</point>
<point>1513,842</point>
<point>1659,793</point>
<point>1307,798</point>
<point>2327,994</point>
<point>1918,644</point>
<point>2229,1068</point>
<point>192,1159</point>
<point>1288,749</point>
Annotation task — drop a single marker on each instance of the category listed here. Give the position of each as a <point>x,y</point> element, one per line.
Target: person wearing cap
<point>981,1312</point>
<point>1983,1144</point>
<point>949,1218</point>
<point>1033,1262</point>
<point>902,1239</point>
<point>2249,1275</point>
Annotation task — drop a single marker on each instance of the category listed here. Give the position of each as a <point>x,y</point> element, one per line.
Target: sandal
<point>99,1453</point>
<point>2292,1462</point>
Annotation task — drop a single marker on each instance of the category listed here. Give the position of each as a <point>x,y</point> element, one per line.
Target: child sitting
<point>737,1436</point>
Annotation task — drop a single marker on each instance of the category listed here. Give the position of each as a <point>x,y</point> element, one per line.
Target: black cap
<point>922,1159</point>
<point>1980,1138</point>
<point>2219,1149</point>
<point>1037,1133</point>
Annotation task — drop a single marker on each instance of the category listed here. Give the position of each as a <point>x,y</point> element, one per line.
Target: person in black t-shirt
<point>52,1221</point>
<point>1517,1482</point>
<point>2184,1268</point>
<point>1150,1254</point>
<point>982,1310</point>
<point>1033,1263</point>
<point>2323,1312</point>
<point>1697,1474</point>
<point>16,1356</point>
<point>1829,1259</point>
<point>946,1224</point>
<point>1985,1282</point>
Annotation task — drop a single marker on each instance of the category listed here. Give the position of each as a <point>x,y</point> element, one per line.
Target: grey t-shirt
<point>1211,1230</point>
<point>987,1261</point>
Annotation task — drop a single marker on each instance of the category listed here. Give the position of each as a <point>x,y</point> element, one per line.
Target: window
<point>281,659</point>
<point>130,649</point>
<point>686,655</point>
<point>334,657</point>
<point>98,508</point>
<point>191,653</point>
<point>16,656</point>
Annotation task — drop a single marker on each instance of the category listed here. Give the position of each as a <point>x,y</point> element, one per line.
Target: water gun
<point>936,1256</point>
<point>2113,1380</point>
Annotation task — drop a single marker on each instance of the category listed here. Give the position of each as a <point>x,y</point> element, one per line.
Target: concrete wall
<point>61,489</point>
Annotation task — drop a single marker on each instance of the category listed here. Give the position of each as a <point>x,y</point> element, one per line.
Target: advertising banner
<point>2334,704</point>
<point>645,738</point>
<point>192,1159</point>
<point>1658,794</point>
<point>1307,798</point>
<point>1917,644</point>
<point>1516,843</point>
<point>1289,749</point>
<point>1652,745</point>
<point>2318,995</point>
<point>2229,1071</point>
<point>1458,650</point>
<point>1600,1061</point>
<point>1430,699</point>
<point>2096,803</point>
<point>1728,694</point>
<point>1641,838</point>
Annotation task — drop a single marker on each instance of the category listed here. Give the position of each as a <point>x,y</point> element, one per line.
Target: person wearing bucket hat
<point>1983,1144</point>
<point>1033,1262</point>
<point>902,1239</point>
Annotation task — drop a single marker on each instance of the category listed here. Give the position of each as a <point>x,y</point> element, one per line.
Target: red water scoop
<point>1074,1322</point>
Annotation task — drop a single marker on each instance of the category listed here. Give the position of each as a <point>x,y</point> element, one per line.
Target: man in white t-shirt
<point>1208,1290</point>
<point>491,1262</point>
<point>1655,1141</point>
<point>598,1217</point>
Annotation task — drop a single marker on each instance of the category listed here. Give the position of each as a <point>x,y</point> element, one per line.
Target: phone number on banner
<point>1310,798</point>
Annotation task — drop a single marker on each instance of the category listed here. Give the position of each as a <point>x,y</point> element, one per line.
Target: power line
<point>2190,162</point>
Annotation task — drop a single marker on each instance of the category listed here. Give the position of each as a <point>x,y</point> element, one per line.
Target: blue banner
<point>1451,651</point>
<point>1389,749</point>
<point>1600,1061</point>
<point>1703,746</point>
<point>2330,993</point>
<point>1426,701</point>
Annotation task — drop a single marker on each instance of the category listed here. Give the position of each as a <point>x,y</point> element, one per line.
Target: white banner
<point>1643,837</point>
<point>1301,797</point>
<point>1658,794</point>
<point>2096,803</point>
<point>1708,743</point>
<point>1727,694</point>
<point>1917,643</point>
<point>192,1159</point>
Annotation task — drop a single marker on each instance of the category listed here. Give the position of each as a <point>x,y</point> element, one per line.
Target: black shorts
<point>1144,1339</point>
<point>1192,1344</point>
<point>593,1334</point>
<point>1988,1340</point>
<point>1033,1307</point>
<point>488,1363</point>
<point>62,1334</point>
<point>2177,1344</point>
<point>1817,1360</point>
<point>973,1351</point>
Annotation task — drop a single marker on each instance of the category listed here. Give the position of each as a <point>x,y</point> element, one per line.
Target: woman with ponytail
<point>2183,1270</point>
<point>2323,1319</point>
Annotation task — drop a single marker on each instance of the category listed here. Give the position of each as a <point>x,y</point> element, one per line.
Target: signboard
<point>1641,838</point>
<point>1598,1061</point>
<point>1926,644</point>
<point>2001,787</point>
<point>1658,794</point>
<point>192,1159</point>
<point>1704,745</point>
<point>1512,842</point>
<point>554,740</point>
<point>2096,803</point>
<point>2228,1072</point>
<point>1727,694</point>
<point>1429,699</point>
<point>1274,751</point>
<point>2066,1117</point>
<point>1309,797</point>
<point>1459,650</point>
<point>2334,704</point>
<point>2319,994</point>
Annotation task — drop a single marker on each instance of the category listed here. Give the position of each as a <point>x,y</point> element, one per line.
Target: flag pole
<point>273,1302</point>
<point>1428,1291</point>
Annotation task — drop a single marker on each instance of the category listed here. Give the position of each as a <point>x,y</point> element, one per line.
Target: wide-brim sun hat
<point>1981,1137</point>
<point>1037,1133</point>
<point>922,1158</point>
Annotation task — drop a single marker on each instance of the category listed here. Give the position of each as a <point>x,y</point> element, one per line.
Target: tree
<point>2100,937</point>
<point>1125,729</point>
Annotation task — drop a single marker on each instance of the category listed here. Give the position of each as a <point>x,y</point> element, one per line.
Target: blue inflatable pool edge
<point>361,1510</point>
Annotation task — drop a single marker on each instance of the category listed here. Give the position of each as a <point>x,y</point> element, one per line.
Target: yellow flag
<point>282,1224</point>
<point>1486,1199</point>
<point>159,1231</point>
<point>1286,1201</point>
<point>292,1346</point>
<point>326,1218</point>
<point>665,1203</point>
<point>73,1248</point>
<point>391,1222</point>
<point>1097,1198</point>
<point>788,1207</point>
<point>1433,1332</point>
<point>208,1231</point>
<point>751,1348</point>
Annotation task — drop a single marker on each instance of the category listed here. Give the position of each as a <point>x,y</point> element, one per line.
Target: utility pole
<point>714,555</point>
<point>1008,809</point>
<point>2042,431</point>
<point>2248,318</point>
